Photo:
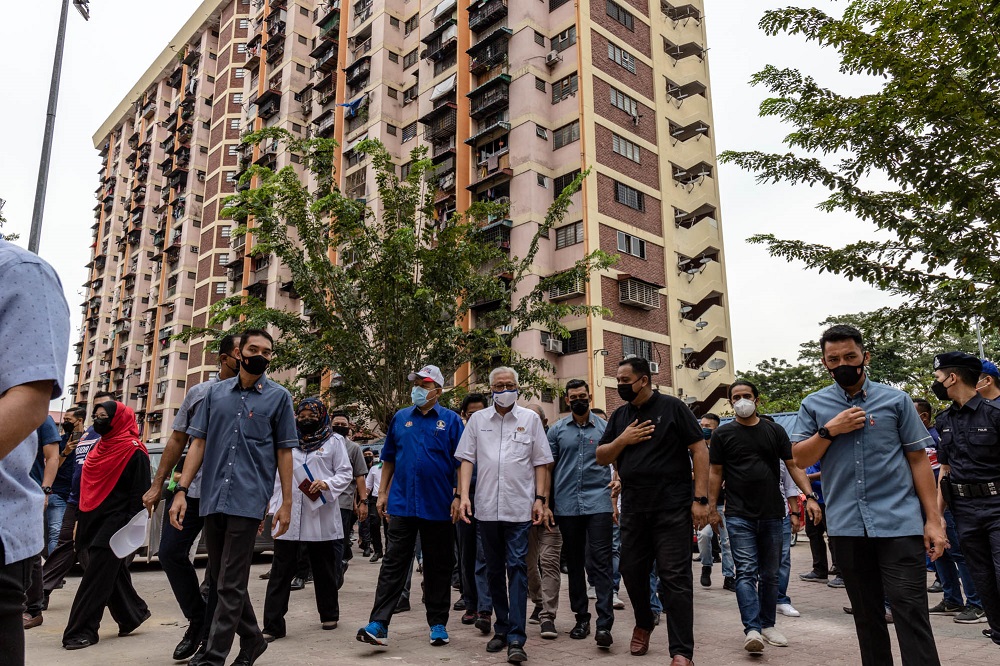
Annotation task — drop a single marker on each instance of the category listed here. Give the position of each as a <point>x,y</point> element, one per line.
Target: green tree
<point>385,295</point>
<point>932,128</point>
<point>782,385</point>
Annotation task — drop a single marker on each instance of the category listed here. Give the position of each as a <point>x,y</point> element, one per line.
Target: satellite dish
<point>703,374</point>
<point>687,351</point>
<point>689,399</point>
<point>717,364</point>
<point>701,324</point>
<point>686,308</point>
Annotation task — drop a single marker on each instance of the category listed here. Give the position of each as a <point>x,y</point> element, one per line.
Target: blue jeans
<point>785,568</point>
<point>951,568</point>
<point>756,548</point>
<point>54,513</point>
<point>505,546</point>
<point>705,546</point>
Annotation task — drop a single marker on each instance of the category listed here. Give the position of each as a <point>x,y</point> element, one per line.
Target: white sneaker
<point>591,592</point>
<point>788,610</point>
<point>618,603</point>
<point>753,643</point>
<point>774,637</point>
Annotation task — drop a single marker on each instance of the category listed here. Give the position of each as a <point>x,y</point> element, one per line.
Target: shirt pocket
<point>984,447</point>
<point>257,427</point>
<point>520,446</point>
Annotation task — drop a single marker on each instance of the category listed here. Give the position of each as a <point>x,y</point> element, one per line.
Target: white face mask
<point>505,399</point>
<point>744,408</point>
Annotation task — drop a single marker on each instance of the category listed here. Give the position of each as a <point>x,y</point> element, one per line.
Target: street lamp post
<point>82,6</point>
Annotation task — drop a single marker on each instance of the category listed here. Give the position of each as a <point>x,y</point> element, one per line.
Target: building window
<point>565,135</point>
<point>622,57</point>
<point>542,180</point>
<point>409,132</point>
<point>564,87</point>
<point>301,69</point>
<point>393,57</point>
<point>564,39</point>
<point>237,98</point>
<point>411,24</point>
<point>240,72</point>
<point>618,13</point>
<point>571,234</point>
<point>625,148</point>
<point>636,347</point>
<point>244,23</point>
<point>234,123</point>
<point>539,38</point>
<point>410,59</point>
<point>390,130</point>
<point>560,183</point>
<point>555,4</point>
<point>234,149</point>
<point>629,196</point>
<point>576,342</point>
<point>297,128</point>
<point>410,94</point>
<point>226,231</point>
<point>540,84</point>
<point>241,48</point>
<point>394,22</point>
<point>541,132</point>
<point>624,102</point>
<point>392,92</point>
<point>220,288</point>
<point>230,176</point>
<point>631,245</point>
<point>302,39</point>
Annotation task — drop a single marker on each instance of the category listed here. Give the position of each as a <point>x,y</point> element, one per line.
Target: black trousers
<point>663,536</point>
<point>62,559</point>
<point>14,580</point>
<point>348,518</point>
<point>174,556</point>
<point>364,533</point>
<point>468,547</point>
<point>894,568</point>
<point>587,547</point>
<point>817,546</point>
<point>978,523</point>
<point>376,525</point>
<point>107,583</point>
<point>326,562</point>
<point>35,594</point>
<point>438,539</point>
<point>230,541</point>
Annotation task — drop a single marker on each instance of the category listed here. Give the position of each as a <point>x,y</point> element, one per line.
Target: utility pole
<point>82,6</point>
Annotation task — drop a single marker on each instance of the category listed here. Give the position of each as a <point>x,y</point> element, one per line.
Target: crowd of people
<point>492,499</point>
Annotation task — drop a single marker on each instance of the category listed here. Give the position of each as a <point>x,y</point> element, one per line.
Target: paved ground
<point>823,635</point>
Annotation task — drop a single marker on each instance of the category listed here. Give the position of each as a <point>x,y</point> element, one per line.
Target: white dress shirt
<point>328,463</point>
<point>373,480</point>
<point>506,450</point>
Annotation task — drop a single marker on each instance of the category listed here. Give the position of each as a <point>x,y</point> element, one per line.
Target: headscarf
<point>316,408</point>
<point>107,459</point>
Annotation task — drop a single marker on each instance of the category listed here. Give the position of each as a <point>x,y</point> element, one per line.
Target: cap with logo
<point>958,359</point>
<point>431,372</point>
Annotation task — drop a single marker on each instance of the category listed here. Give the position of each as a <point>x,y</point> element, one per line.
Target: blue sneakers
<point>439,635</point>
<point>375,633</point>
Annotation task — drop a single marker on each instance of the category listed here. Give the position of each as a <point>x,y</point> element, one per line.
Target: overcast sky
<point>774,305</point>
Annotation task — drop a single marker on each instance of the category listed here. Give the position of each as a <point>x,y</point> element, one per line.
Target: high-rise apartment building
<point>512,98</point>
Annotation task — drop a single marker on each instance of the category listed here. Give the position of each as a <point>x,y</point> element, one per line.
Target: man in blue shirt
<point>816,532</point>
<point>416,493</point>
<point>244,431</point>
<point>43,472</point>
<point>581,502</point>
<point>34,327</point>
<point>876,479</point>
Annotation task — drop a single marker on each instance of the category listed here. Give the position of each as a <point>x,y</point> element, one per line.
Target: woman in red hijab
<point>115,476</point>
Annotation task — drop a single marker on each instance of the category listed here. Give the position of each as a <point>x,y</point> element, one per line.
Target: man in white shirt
<point>508,445</point>
<point>375,522</point>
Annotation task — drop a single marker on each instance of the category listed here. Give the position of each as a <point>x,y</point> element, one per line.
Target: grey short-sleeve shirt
<point>185,414</point>
<point>34,327</point>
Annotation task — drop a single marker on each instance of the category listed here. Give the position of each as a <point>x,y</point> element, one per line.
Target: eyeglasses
<point>500,388</point>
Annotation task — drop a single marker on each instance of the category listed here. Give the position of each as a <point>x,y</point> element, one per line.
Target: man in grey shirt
<point>354,501</point>
<point>34,327</point>
<point>175,545</point>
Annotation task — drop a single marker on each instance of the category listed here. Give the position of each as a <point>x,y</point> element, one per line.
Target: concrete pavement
<point>823,635</point>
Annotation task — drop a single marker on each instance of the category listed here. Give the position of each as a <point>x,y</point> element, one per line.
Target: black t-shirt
<point>656,474</point>
<point>749,456</point>
<point>63,484</point>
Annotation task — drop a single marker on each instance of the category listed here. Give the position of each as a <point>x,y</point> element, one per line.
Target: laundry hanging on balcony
<point>444,87</point>
<point>354,106</point>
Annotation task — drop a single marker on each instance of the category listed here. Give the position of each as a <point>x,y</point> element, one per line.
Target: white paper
<point>131,537</point>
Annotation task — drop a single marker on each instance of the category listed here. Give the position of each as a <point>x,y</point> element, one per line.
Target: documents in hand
<point>303,476</point>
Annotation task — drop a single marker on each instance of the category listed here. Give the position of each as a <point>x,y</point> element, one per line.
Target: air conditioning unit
<point>553,57</point>
<point>654,367</point>
<point>554,345</point>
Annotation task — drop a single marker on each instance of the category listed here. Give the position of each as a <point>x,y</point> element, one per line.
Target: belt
<point>988,489</point>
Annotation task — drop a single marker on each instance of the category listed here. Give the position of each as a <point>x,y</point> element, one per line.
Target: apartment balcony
<point>328,13</point>
<point>489,51</point>
<point>275,33</point>
<point>361,68</point>
<point>695,130</point>
<point>275,49</point>
<point>234,271</point>
<point>440,121</point>
<point>489,97</point>
<point>679,92</point>
<point>324,123</point>
<point>497,233</point>
<point>149,109</point>
<point>688,177</point>
<point>439,40</point>
<point>493,170</point>
<point>485,13</point>
<point>323,46</point>
<point>443,150</point>
<point>192,56</point>
<point>253,56</point>
<point>175,78</point>
<point>681,51</point>
<point>678,13</point>
<point>327,62</point>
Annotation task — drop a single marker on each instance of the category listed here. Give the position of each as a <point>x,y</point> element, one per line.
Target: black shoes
<point>603,638</point>
<point>76,644</point>
<point>534,619</point>
<point>459,605</point>
<point>484,623</point>
<point>497,643</point>
<point>581,630</point>
<point>549,630</point>
<point>189,643</point>
<point>298,584</point>
<point>729,583</point>
<point>375,557</point>
<point>366,552</point>
<point>706,576</point>
<point>248,656</point>
<point>516,654</point>
<point>468,617</point>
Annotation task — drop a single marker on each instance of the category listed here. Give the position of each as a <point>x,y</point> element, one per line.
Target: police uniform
<point>970,446</point>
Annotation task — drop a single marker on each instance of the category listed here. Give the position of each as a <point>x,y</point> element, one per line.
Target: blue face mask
<point>418,396</point>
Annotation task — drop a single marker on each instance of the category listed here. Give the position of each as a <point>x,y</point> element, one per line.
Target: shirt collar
<point>973,404</point>
<point>258,386</point>
<point>863,393</point>
<point>433,410</point>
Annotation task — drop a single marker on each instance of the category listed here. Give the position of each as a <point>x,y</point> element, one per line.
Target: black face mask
<point>627,392</point>
<point>233,369</point>
<point>308,427</point>
<point>706,433</point>
<point>254,365</point>
<point>940,390</point>
<point>579,407</point>
<point>68,427</point>
<point>341,430</point>
<point>102,426</point>
<point>847,376</point>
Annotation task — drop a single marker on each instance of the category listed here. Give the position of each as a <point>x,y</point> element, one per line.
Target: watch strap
<point>179,488</point>
<point>543,498</point>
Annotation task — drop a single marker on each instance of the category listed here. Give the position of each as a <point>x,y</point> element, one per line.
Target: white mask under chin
<point>744,408</point>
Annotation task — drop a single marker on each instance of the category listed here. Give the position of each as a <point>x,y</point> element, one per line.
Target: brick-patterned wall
<point>613,343</point>
<point>649,219</point>
<point>205,267</point>
<point>650,269</point>
<point>602,105</point>
<point>648,320</point>
<point>646,172</point>
<point>201,296</point>
<point>641,81</point>
<point>637,40</point>
<point>641,6</point>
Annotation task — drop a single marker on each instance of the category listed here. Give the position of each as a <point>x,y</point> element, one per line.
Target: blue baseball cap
<point>990,368</point>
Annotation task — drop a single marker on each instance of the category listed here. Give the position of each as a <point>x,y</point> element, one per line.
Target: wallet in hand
<point>304,487</point>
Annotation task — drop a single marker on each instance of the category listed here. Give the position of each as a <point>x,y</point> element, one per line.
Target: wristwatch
<point>543,498</point>
<point>180,489</point>
<point>824,433</point>
<point>47,490</point>
<point>701,500</point>
<point>457,496</point>
<point>813,496</point>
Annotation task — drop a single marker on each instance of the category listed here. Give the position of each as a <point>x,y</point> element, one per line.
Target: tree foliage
<point>386,294</point>
<point>932,128</point>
